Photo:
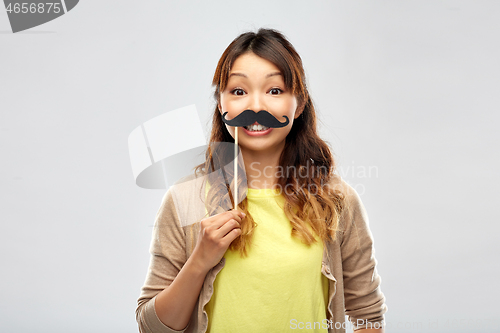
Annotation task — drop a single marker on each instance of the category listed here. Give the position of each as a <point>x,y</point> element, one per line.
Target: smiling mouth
<point>256,127</point>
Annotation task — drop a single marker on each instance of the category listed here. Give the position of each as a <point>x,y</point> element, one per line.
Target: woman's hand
<point>174,305</point>
<point>216,234</point>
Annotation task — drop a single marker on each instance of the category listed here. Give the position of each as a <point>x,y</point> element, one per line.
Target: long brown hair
<point>309,199</point>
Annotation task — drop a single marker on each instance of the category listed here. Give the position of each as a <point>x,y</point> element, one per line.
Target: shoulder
<point>342,188</point>
<point>175,229</point>
<point>353,213</point>
<point>186,198</point>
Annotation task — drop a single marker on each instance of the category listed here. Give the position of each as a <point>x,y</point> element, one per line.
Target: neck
<point>262,167</point>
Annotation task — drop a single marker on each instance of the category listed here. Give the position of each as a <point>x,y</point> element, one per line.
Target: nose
<point>257,103</point>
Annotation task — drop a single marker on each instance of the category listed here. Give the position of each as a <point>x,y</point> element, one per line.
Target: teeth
<point>257,127</point>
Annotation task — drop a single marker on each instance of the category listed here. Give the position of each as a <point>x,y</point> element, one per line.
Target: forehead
<point>253,65</point>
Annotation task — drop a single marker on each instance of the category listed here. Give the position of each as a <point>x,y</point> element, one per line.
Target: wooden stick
<point>235,167</point>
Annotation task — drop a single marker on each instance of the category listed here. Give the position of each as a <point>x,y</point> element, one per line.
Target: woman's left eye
<point>275,91</point>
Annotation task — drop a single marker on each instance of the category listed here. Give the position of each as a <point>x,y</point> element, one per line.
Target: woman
<point>298,253</point>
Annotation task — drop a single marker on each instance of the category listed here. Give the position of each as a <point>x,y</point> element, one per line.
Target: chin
<point>260,147</point>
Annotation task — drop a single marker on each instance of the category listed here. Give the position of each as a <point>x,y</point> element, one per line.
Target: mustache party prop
<point>248,117</point>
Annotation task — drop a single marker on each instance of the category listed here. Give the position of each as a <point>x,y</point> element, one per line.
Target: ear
<point>300,109</point>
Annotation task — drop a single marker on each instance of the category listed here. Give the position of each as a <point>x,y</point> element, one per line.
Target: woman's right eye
<point>238,92</point>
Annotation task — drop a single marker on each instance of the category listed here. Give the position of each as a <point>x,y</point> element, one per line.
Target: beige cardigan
<point>348,263</point>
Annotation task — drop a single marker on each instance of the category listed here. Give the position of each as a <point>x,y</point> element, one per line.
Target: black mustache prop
<point>248,117</point>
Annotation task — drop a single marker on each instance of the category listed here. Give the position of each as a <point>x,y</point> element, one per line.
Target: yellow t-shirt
<point>279,287</point>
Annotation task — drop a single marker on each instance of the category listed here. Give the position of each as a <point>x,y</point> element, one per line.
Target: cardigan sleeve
<point>364,301</point>
<point>168,255</point>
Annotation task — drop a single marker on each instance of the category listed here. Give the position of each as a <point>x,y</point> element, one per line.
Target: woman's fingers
<point>220,219</point>
<point>216,228</point>
<point>227,227</point>
<point>216,233</point>
<point>231,236</point>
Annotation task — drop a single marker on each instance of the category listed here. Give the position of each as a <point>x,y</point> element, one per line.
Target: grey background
<point>407,88</point>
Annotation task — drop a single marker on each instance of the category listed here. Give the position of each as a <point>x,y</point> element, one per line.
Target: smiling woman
<point>299,250</point>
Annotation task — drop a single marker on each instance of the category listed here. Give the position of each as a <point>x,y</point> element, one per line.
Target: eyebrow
<point>243,75</point>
